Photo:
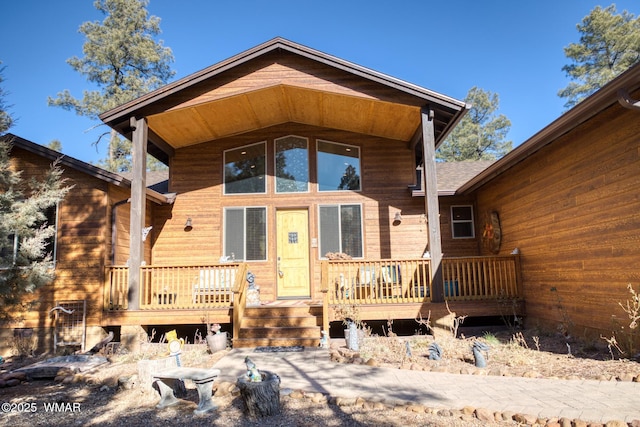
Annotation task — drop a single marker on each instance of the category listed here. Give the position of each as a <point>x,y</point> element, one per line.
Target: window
<point>341,230</point>
<point>338,167</point>
<point>11,247</point>
<point>462,222</point>
<point>292,165</point>
<point>245,233</point>
<point>245,169</point>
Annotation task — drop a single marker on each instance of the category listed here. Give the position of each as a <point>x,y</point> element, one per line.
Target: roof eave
<point>119,115</point>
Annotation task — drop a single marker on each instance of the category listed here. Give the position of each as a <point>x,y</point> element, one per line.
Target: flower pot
<point>217,342</point>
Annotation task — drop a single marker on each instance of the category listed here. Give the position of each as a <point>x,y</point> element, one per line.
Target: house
<point>278,157</point>
<point>569,199</point>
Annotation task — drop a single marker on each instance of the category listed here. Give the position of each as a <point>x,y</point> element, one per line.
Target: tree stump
<point>261,398</point>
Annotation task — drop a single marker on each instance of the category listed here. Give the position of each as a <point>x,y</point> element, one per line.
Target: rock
<point>628,377</point>
<point>525,419</point>
<point>12,382</point>
<point>565,422</point>
<point>297,394</point>
<point>579,423</point>
<point>420,409</point>
<point>508,416</point>
<point>615,423</point>
<point>15,375</point>
<point>127,382</point>
<point>484,415</point>
<point>468,410</point>
<point>372,362</point>
<point>345,401</point>
<point>2,383</point>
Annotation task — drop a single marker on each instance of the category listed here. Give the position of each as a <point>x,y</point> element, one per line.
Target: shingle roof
<point>452,175</point>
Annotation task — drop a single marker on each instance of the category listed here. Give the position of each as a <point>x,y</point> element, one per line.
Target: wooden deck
<point>381,289</point>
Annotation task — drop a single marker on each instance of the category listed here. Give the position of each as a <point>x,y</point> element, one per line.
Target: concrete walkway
<point>311,370</point>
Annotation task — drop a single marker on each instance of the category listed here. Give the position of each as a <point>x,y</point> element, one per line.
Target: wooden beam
<point>430,186</point>
<point>138,204</point>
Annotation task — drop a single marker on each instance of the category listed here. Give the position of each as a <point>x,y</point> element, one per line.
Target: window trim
<point>275,176</point>
<point>244,230</point>
<point>470,221</point>
<point>318,141</point>
<point>224,165</point>
<point>339,206</point>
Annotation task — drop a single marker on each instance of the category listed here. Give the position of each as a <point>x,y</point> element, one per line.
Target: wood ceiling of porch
<point>281,103</point>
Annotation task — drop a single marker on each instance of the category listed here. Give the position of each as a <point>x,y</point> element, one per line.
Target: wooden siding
<point>283,87</point>
<point>573,211</point>
<point>81,242</point>
<point>197,179</point>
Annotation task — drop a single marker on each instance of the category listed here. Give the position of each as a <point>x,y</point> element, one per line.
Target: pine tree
<point>25,230</point>
<point>124,61</point>
<point>481,134</point>
<point>609,44</point>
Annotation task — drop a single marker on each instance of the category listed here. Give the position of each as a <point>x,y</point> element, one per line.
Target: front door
<point>293,253</point>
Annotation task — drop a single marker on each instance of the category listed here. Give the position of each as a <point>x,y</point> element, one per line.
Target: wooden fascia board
<point>581,113</point>
<point>80,166</point>
<point>65,160</point>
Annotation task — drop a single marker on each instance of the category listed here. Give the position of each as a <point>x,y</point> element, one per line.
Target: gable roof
<point>616,91</point>
<point>80,166</point>
<point>277,82</point>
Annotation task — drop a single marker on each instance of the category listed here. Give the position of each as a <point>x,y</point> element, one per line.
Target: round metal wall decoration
<point>492,234</point>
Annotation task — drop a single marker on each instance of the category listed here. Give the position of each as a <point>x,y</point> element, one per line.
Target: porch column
<point>138,203</point>
<point>432,207</point>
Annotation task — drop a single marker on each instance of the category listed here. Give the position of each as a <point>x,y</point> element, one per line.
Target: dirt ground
<point>97,399</point>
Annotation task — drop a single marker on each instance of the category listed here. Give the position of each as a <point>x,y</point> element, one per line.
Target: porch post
<point>138,203</point>
<point>432,207</point>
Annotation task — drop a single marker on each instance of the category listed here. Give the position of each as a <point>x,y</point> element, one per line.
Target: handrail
<point>240,298</point>
<point>409,280</point>
<point>175,287</point>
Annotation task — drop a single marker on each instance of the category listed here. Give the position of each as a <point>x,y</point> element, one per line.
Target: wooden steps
<point>280,326</point>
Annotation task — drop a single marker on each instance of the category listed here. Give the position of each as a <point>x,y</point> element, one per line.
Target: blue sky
<point>512,48</point>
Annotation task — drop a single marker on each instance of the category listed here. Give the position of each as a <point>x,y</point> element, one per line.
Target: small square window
<point>462,222</point>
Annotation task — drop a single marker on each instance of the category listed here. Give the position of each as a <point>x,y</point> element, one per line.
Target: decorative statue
<point>251,280</point>
<point>435,351</point>
<point>252,371</point>
<point>324,339</point>
<point>477,348</point>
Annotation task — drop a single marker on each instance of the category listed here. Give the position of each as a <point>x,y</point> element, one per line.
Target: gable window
<point>462,222</point>
<point>292,165</point>
<point>245,169</point>
<point>338,167</point>
<point>341,230</point>
<point>10,249</point>
<point>245,233</point>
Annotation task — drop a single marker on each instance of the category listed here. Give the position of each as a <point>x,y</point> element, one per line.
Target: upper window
<point>245,169</point>
<point>245,233</point>
<point>292,165</point>
<point>462,222</point>
<point>341,230</point>
<point>338,167</point>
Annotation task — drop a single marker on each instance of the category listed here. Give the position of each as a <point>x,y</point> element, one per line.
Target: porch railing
<point>175,287</point>
<point>408,280</point>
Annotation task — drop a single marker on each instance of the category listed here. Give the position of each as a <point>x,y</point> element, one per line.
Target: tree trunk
<point>261,398</point>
